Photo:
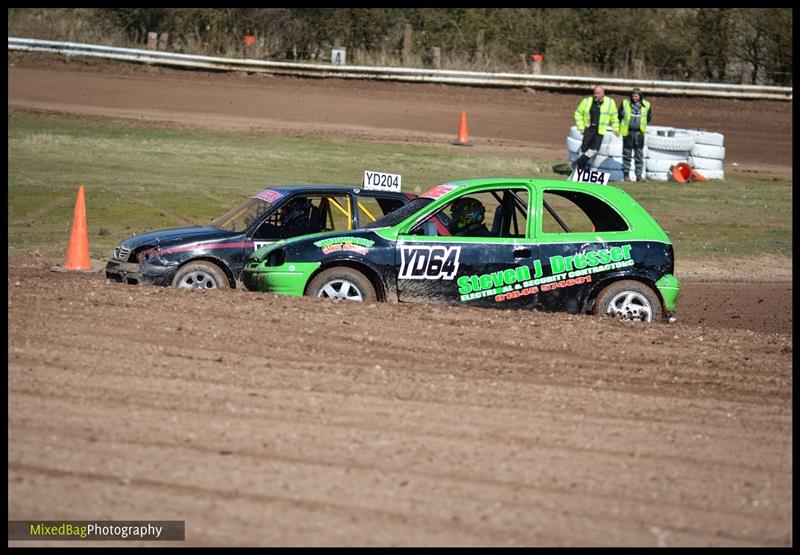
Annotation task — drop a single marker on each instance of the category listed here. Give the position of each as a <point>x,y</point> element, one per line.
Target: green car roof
<point>640,221</point>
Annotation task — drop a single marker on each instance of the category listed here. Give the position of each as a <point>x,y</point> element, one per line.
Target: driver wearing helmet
<point>296,217</point>
<point>467,215</point>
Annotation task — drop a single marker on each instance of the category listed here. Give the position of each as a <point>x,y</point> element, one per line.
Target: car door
<point>475,269</point>
<point>579,238</point>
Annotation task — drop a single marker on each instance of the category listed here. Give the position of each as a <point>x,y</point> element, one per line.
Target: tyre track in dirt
<point>426,361</point>
<point>135,402</point>
<point>438,478</point>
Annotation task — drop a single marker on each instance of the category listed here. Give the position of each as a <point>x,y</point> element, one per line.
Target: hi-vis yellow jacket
<point>626,116</point>
<point>608,115</point>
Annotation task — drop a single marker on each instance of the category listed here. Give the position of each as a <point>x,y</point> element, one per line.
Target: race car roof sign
<point>379,181</point>
<point>590,176</point>
<point>270,195</point>
<point>438,191</point>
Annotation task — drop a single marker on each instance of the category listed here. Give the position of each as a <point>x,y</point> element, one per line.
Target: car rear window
<point>578,212</point>
<point>372,208</point>
<point>394,218</point>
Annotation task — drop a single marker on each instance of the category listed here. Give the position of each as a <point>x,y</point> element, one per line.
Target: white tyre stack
<point>663,148</point>
<point>707,153</point>
<point>666,146</point>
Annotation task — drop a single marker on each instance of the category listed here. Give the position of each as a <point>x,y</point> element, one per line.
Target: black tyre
<point>342,282</point>
<point>200,275</point>
<point>629,300</point>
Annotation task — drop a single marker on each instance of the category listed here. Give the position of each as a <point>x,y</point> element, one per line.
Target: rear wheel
<point>200,275</point>
<point>629,300</point>
<point>342,283</point>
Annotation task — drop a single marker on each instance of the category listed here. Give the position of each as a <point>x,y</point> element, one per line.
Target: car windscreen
<point>394,218</point>
<point>240,217</point>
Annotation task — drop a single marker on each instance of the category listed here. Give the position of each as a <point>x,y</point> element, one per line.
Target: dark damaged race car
<point>516,243</point>
<point>213,256</point>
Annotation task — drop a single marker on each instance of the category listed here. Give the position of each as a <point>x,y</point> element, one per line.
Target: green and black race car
<point>506,243</point>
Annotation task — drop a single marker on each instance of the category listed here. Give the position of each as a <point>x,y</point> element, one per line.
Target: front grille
<point>122,253</point>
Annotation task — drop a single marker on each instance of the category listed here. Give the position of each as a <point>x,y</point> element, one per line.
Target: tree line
<point>742,45</point>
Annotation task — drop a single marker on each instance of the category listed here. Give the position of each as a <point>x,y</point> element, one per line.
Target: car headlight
<point>147,254</point>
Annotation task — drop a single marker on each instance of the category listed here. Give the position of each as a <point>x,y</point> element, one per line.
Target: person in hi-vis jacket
<point>592,118</point>
<point>634,114</point>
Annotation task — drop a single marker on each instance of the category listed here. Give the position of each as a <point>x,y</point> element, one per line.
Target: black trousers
<point>633,147</point>
<point>590,146</point>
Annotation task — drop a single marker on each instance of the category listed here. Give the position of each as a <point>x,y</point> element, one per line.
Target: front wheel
<point>200,275</point>
<point>629,300</point>
<point>342,283</point>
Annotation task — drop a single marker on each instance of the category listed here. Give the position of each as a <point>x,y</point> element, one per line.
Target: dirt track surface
<point>306,422</point>
<point>262,420</point>
<point>758,134</point>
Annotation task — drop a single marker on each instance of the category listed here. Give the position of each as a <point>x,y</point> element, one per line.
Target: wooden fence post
<point>407,45</point>
<point>250,42</point>
<point>437,57</point>
<point>536,65</point>
<point>479,47</point>
<point>152,41</point>
<point>747,73</point>
<point>638,68</point>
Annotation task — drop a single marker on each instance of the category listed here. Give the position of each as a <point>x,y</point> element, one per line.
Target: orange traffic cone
<point>463,134</point>
<point>697,176</point>
<point>681,172</point>
<point>78,248</point>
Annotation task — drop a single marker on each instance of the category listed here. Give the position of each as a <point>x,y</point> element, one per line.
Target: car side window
<point>497,213</point>
<point>305,214</point>
<point>372,208</point>
<point>335,213</point>
<point>578,212</point>
<point>511,218</point>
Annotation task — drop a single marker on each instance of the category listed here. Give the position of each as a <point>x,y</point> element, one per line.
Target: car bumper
<point>136,274</point>
<point>670,288</point>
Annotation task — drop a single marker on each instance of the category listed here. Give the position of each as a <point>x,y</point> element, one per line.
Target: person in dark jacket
<point>634,114</point>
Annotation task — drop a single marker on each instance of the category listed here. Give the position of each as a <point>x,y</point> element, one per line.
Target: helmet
<point>295,211</point>
<point>467,211</point>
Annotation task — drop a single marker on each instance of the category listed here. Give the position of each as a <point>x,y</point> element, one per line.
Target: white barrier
<point>664,147</point>
<point>474,78</point>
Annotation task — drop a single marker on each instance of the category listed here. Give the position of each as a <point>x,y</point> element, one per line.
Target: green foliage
<point>713,44</point>
<point>135,22</point>
<point>764,41</point>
